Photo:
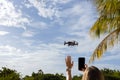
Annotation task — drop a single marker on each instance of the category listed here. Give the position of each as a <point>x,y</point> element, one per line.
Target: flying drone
<point>71,43</point>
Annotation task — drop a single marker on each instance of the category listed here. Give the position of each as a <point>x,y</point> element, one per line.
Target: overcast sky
<point>32,35</point>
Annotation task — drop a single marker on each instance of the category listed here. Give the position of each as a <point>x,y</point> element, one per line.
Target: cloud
<point>28,33</point>
<point>10,16</point>
<point>61,1</point>
<point>2,33</point>
<point>27,43</point>
<point>27,4</point>
<point>8,50</point>
<point>112,54</point>
<point>80,17</point>
<point>27,61</point>
<point>39,25</point>
<point>106,65</point>
<point>77,21</point>
<point>44,9</point>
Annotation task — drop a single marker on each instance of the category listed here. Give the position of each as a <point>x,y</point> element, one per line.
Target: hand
<point>83,69</point>
<point>69,64</point>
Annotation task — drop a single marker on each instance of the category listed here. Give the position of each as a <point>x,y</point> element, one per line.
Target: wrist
<point>68,69</point>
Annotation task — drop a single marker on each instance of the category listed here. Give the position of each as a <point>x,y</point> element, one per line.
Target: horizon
<point>32,36</point>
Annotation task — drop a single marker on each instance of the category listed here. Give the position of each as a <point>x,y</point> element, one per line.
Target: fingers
<point>68,62</point>
<point>69,58</point>
<point>83,69</point>
<point>72,62</point>
<point>86,66</point>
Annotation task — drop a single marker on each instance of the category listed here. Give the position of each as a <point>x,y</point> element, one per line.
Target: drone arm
<point>64,42</point>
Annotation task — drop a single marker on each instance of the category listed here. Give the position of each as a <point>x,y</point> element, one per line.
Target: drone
<point>71,43</point>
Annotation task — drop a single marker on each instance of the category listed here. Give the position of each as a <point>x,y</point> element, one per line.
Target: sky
<point>32,35</point>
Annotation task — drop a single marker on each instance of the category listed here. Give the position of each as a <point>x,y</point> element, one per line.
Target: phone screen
<point>81,63</point>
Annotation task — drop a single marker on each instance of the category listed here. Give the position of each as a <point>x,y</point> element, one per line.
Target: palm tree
<point>108,23</point>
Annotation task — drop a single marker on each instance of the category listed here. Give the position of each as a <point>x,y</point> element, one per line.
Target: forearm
<point>68,73</point>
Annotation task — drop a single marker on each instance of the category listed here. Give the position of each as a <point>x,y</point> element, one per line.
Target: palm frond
<point>108,22</point>
<point>108,7</point>
<point>106,43</point>
<point>99,27</point>
<point>104,25</point>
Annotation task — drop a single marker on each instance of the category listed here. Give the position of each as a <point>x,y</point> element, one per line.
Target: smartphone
<point>81,63</point>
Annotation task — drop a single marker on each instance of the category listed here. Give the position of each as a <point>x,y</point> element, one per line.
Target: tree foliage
<point>36,76</point>
<point>9,74</point>
<point>111,74</point>
<point>107,23</point>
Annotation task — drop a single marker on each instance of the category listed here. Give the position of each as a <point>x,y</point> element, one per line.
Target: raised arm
<point>69,65</point>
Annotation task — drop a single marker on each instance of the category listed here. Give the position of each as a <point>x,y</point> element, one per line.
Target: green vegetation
<point>41,76</point>
<point>9,74</point>
<point>111,74</point>
<point>108,23</point>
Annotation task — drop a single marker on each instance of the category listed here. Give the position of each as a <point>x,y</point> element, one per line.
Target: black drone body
<point>71,43</point>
